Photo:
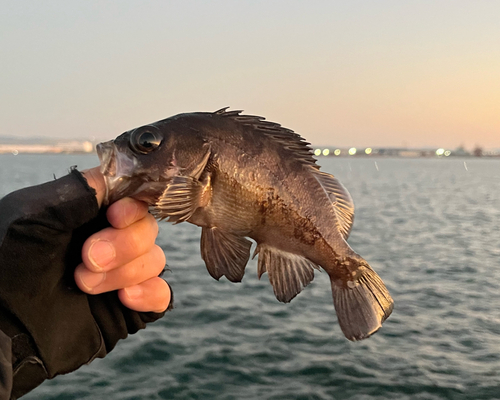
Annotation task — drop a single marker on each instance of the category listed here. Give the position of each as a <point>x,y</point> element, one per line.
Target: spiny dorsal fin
<point>341,201</point>
<point>288,273</point>
<point>286,137</point>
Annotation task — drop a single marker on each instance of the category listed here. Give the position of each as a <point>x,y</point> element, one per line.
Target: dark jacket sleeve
<point>5,366</point>
<point>54,327</point>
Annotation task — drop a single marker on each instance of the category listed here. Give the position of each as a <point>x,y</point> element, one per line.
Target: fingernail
<point>91,279</point>
<point>134,292</point>
<point>130,215</point>
<point>101,253</point>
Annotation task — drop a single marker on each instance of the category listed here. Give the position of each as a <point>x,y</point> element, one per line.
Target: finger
<point>139,270</point>
<point>125,212</point>
<point>152,295</point>
<point>96,181</point>
<point>112,248</point>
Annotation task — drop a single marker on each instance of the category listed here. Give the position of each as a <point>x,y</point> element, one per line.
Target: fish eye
<point>145,140</point>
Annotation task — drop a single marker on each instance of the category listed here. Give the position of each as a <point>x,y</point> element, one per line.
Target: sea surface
<point>429,227</point>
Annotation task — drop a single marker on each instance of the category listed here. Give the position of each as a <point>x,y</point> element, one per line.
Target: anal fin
<point>288,273</point>
<point>361,305</point>
<point>224,253</point>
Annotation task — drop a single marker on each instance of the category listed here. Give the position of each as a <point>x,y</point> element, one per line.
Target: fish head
<point>141,162</point>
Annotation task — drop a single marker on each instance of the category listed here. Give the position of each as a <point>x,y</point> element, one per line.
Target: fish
<point>242,177</point>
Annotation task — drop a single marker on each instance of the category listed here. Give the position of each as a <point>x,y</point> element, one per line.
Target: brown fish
<point>238,177</point>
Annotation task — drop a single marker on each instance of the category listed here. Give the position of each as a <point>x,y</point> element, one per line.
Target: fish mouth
<point>124,176</point>
<point>118,169</point>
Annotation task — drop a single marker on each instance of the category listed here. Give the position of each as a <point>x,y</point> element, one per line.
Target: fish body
<point>239,177</point>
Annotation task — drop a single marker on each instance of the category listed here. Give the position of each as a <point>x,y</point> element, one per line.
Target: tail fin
<point>361,305</point>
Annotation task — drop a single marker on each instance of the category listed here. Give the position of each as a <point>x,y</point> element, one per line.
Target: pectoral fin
<point>180,199</point>
<point>288,273</point>
<point>224,253</point>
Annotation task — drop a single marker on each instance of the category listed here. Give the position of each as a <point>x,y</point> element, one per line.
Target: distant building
<point>60,147</point>
<point>477,152</point>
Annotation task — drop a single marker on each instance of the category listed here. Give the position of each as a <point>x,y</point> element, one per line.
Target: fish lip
<point>117,169</point>
<point>106,152</point>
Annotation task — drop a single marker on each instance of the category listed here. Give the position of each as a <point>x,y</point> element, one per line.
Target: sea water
<point>429,227</point>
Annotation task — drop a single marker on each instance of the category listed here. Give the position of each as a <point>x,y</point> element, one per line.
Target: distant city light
<point>326,152</point>
<point>368,150</point>
<point>88,147</point>
<point>439,152</point>
<point>352,151</point>
<point>317,152</point>
<point>337,152</point>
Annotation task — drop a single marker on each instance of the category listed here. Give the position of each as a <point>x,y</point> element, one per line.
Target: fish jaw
<point>118,169</point>
<point>125,175</point>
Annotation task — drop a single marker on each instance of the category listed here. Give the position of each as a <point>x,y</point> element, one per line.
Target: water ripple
<point>430,229</point>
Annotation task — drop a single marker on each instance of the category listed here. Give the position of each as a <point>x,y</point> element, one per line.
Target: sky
<point>340,73</point>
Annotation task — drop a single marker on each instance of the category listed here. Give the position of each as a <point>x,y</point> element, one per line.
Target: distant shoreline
<point>88,147</point>
<point>47,148</point>
<point>358,157</point>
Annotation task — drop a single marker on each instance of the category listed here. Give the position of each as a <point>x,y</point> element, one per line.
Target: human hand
<point>43,229</point>
<point>124,257</point>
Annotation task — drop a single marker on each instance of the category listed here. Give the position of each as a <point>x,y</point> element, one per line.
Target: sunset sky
<point>340,73</point>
